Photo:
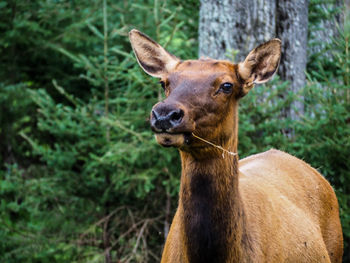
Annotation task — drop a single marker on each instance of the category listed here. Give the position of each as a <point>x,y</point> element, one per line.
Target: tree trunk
<point>230,26</point>
<point>327,27</point>
<point>239,25</point>
<point>292,22</point>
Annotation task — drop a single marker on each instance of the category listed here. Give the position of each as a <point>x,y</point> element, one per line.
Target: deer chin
<point>170,139</point>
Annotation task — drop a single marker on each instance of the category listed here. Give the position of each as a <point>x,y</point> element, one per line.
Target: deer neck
<point>211,207</point>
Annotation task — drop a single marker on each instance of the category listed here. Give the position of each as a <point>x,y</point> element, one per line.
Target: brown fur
<point>269,207</point>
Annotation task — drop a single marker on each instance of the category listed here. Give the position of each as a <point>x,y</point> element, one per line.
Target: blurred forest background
<point>81,176</point>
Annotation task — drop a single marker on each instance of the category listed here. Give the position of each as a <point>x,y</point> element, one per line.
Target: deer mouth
<point>173,139</point>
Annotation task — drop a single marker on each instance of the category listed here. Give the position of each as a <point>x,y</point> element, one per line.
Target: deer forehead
<point>207,65</point>
<point>204,71</point>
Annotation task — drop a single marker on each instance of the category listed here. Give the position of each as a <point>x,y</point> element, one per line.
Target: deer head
<point>201,95</point>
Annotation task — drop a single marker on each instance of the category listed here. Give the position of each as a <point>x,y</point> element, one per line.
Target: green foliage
<point>81,176</point>
<point>94,180</point>
<point>327,123</point>
<point>261,124</point>
<point>14,105</point>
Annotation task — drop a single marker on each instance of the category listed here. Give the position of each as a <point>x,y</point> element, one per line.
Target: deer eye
<point>226,87</point>
<point>162,84</point>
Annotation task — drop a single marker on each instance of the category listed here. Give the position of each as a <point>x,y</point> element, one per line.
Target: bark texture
<point>291,27</point>
<point>234,25</point>
<point>241,25</point>
<point>327,28</point>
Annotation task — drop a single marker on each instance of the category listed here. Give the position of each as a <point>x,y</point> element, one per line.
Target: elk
<point>269,207</point>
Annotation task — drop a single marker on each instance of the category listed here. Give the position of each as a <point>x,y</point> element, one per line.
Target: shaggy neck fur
<point>212,210</point>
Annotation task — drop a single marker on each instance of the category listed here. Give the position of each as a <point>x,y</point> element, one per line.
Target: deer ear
<point>261,63</point>
<point>152,57</point>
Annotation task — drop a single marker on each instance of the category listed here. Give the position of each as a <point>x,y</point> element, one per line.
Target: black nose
<point>164,118</point>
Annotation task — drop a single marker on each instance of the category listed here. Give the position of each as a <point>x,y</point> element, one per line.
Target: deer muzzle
<point>170,124</point>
